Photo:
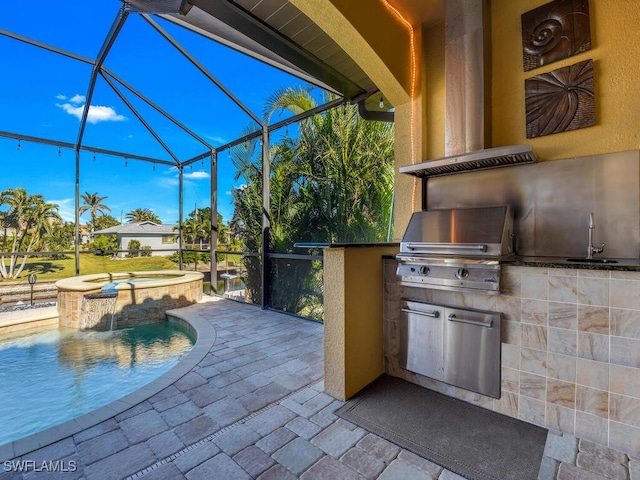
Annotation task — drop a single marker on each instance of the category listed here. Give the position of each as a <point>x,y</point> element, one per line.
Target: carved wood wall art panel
<point>555,31</point>
<point>560,100</point>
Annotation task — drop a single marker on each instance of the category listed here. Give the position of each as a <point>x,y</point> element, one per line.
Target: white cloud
<point>97,113</point>
<point>170,179</point>
<point>77,99</point>
<point>196,175</point>
<point>61,97</point>
<point>216,139</point>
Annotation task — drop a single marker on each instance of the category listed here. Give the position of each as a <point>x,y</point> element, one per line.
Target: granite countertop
<point>345,244</point>
<point>620,264</point>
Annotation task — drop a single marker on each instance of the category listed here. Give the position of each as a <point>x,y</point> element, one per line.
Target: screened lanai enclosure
<point>235,129</point>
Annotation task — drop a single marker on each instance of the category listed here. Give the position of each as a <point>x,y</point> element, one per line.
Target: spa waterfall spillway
<point>107,300</point>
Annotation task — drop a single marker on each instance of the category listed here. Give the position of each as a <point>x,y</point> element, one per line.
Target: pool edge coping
<point>90,282</point>
<point>205,338</point>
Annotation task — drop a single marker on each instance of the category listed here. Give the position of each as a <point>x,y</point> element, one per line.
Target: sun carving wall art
<point>562,99</point>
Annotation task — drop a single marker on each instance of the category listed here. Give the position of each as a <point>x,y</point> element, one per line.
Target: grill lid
<point>485,232</point>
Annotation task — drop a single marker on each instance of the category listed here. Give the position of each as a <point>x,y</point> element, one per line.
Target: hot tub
<point>131,298</point>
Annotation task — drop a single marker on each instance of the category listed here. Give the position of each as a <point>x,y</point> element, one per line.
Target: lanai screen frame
<point>211,152</point>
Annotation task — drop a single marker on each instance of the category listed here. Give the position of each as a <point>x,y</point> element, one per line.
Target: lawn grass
<point>48,269</point>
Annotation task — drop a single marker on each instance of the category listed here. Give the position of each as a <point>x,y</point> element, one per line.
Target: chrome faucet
<point>592,249</point>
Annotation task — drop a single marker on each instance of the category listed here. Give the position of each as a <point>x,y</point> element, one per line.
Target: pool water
<point>51,376</point>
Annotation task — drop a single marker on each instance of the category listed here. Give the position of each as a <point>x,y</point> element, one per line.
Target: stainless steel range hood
<point>467,55</point>
<point>478,160</point>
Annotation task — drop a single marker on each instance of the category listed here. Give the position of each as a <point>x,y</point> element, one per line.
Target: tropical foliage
<point>134,248</point>
<point>60,238</point>
<point>104,221</point>
<point>333,182</point>
<point>104,244</point>
<point>142,215</point>
<point>92,203</point>
<point>26,221</point>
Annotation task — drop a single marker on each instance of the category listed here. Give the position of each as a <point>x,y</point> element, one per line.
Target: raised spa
<point>114,300</point>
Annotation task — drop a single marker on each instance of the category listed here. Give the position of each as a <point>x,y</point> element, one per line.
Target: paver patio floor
<point>253,407</point>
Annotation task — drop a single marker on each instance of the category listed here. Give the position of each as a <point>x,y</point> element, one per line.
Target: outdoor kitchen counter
<point>353,315</point>
<point>623,264</point>
<point>345,245</point>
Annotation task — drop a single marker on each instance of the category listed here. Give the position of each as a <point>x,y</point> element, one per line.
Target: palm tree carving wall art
<point>560,100</point>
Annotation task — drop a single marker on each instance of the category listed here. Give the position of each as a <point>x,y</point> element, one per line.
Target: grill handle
<point>443,247</point>
<point>434,314</point>
<point>452,318</point>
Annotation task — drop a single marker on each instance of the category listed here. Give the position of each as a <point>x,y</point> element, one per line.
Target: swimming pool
<point>51,376</point>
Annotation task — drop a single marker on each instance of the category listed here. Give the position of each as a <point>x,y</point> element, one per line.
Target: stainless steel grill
<point>458,249</point>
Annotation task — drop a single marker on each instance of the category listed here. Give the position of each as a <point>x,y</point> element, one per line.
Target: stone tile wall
<point>570,349</point>
<point>133,306</point>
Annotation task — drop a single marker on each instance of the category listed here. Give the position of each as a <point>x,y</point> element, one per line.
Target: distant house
<point>157,236</point>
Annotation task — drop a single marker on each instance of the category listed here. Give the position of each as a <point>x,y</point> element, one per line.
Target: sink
<point>591,260</point>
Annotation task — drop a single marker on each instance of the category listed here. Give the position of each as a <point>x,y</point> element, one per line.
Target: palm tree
<point>334,182</point>
<point>93,204</point>
<point>190,230</point>
<point>30,218</point>
<point>345,167</point>
<point>142,215</point>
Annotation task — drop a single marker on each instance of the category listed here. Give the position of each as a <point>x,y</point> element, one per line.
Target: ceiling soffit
<point>276,32</point>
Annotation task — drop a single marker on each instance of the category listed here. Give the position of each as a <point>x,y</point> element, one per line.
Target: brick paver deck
<point>252,408</point>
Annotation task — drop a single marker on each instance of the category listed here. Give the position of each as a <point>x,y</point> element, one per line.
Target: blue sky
<point>44,95</point>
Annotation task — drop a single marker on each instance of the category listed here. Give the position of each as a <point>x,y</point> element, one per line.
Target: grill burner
<point>459,249</point>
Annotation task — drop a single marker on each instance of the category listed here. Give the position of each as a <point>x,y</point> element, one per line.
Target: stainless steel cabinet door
<point>472,350</point>
<point>421,342</point>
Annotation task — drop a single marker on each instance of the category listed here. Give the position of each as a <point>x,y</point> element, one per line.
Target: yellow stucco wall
<point>615,40</point>
<point>615,44</point>
<point>334,327</point>
<point>386,35</point>
<point>353,287</point>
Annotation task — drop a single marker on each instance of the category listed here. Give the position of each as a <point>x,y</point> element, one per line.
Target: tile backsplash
<point>570,349</point>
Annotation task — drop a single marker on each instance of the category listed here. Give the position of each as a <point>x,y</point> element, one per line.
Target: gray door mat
<point>473,442</point>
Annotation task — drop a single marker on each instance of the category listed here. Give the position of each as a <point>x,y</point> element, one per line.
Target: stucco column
<point>353,311</point>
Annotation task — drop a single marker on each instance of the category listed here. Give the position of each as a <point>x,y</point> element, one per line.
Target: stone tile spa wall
<point>570,349</point>
<point>136,303</point>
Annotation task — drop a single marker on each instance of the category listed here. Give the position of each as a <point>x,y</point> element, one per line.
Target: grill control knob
<point>424,270</point>
<point>462,273</point>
